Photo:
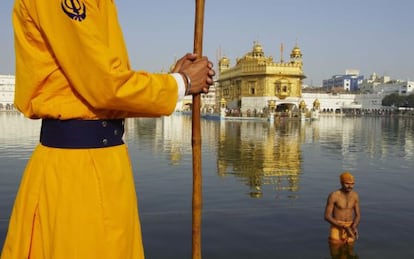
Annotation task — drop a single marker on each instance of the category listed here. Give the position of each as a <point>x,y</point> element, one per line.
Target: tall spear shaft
<point>196,139</point>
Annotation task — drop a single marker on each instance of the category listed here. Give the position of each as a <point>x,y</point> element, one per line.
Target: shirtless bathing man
<point>342,212</point>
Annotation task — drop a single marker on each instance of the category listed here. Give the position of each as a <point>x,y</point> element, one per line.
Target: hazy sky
<point>334,35</point>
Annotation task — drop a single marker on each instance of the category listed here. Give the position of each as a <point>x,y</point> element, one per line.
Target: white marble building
<point>7,83</point>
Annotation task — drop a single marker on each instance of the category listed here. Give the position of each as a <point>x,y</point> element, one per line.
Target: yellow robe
<point>68,68</point>
<point>340,235</point>
<point>72,63</point>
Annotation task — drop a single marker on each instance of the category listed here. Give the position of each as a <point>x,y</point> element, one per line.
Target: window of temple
<point>252,87</point>
<point>238,87</point>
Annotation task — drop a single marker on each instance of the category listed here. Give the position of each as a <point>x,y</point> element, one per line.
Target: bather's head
<point>347,181</point>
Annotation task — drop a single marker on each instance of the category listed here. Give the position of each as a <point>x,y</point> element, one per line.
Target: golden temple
<point>256,79</point>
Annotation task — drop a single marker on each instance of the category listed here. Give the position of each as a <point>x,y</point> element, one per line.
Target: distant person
<point>343,213</point>
<point>77,196</point>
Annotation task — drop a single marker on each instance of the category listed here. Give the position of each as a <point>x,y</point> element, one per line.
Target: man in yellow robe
<point>77,197</point>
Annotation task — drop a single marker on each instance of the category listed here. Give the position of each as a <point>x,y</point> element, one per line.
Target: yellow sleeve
<point>86,43</point>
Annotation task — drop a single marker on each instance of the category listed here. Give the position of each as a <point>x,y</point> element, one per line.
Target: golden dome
<point>257,47</point>
<point>224,60</point>
<point>296,51</point>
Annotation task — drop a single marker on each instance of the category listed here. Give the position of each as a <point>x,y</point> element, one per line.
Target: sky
<point>372,36</point>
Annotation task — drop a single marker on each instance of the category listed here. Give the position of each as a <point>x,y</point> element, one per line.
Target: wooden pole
<point>196,139</point>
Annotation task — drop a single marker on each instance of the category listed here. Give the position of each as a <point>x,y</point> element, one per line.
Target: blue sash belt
<point>81,133</point>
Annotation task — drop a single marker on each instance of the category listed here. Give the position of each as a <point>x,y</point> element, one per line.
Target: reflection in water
<point>376,137</point>
<point>299,160</point>
<point>169,135</point>
<point>256,153</point>
<point>342,252</point>
<point>260,153</point>
<point>18,135</point>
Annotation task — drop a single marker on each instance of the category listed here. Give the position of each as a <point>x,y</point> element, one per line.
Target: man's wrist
<point>187,81</point>
<point>181,85</point>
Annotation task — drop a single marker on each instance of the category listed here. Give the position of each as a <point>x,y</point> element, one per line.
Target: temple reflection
<point>260,154</point>
<point>266,156</point>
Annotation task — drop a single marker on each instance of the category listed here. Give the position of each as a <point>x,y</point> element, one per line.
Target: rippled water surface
<point>264,185</point>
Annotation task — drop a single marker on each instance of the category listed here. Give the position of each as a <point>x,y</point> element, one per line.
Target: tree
<point>410,100</point>
<point>393,99</point>
<point>397,100</point>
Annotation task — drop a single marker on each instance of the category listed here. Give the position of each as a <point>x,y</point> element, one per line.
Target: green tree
<point>393,99</point>
<point>410,100</point>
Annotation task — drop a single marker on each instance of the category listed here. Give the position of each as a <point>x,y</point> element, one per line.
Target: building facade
<point>385,85</point>
<point>7,83</point>
<point>256,79</point>
<point>350,82</point>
